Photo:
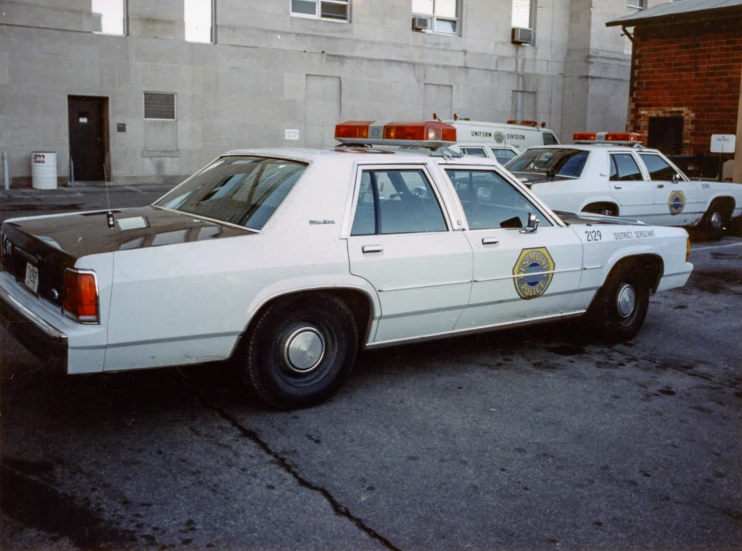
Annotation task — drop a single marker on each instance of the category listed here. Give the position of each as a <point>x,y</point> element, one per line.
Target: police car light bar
<point>432,134</point>
<point>603,137</point>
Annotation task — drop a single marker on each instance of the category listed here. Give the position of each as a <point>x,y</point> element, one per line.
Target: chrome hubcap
<point>626,300</point>
<point>304,349</point>
<point>716,221</point>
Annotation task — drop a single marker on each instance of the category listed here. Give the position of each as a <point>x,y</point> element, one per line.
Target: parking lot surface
<point>537,438</point>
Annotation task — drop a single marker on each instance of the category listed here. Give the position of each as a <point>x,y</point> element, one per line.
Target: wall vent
<point>522,36</point>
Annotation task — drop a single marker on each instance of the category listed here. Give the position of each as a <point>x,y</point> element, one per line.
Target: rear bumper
<point>39,337</point>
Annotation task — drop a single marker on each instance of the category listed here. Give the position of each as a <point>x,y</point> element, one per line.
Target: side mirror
<point>532,224</point>
<point>676,178</point>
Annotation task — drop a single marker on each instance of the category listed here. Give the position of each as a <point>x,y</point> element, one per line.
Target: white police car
<point>289,261</point>
<point>601,173</point>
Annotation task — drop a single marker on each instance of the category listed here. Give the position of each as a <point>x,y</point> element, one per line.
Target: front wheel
<point>300,351</point>
<point>713,222</point>
<point>619,308</point>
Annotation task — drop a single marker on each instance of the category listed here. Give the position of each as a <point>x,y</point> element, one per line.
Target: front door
<point>519,275</point>
<point>87,144</point>
<point>675,198</point>
<point>403,244</point>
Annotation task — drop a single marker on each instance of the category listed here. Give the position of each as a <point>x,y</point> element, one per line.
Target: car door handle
<point>617,187</point>
<point>490,241</point>
<point>372,249</point>
<point>660,185</point>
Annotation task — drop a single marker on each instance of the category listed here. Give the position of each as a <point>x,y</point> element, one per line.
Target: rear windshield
<point>240,190</point>
<point>567,163</point>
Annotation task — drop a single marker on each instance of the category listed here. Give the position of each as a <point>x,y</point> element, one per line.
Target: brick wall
<point>690,70</point>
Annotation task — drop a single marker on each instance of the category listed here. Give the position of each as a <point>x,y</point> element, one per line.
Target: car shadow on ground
<point>112,395</point>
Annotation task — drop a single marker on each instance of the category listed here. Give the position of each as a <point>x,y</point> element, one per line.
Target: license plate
<point>32,277</point>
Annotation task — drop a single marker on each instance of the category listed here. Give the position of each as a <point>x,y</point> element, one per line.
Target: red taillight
<point>352,129</point>
<point>80,292</point>
<point>623,137</point>
<point>584,137</point>
<point>420,131</point>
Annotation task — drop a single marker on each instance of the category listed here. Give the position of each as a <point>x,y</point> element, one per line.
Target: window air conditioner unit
<point>522,36</point>
<point>420,23</point>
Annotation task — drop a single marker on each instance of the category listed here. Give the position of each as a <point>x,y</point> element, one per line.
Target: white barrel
<point>44,170</point>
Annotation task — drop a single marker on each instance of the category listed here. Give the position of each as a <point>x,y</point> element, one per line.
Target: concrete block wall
<point>251,86</point>
<point>691,70</point>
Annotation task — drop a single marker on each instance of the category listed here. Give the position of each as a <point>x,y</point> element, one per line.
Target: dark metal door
<point>87,149</point>
<point>666,134</point>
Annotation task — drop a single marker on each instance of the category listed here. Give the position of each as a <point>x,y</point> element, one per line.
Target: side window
<point>503,155</point>
<point>550,139</point>
<point>490,201</point>
<point>658,168</point>
<point>624,168</point>
<point>474,151</point>
<point>396,201</point>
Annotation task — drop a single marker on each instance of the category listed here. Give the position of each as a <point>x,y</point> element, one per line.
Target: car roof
<point>359,154</point>
<point>595,147</point>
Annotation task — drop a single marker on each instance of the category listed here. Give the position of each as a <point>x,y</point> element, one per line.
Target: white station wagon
<point>601,174</point>
<point>289,261</point>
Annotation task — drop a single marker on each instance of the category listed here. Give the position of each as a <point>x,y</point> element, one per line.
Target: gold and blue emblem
<point>533,272</point>
<point>676,202</point>
<point>499,137</point>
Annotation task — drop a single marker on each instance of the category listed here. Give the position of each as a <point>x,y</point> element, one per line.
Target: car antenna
<point>109,215</point>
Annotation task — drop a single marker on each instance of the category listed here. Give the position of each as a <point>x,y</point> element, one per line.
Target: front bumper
<point>41,339</point>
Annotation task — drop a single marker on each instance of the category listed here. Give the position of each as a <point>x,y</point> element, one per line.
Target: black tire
<point>714,221</point>
<point>606,209</point>
<point>300,351</point>
<point>619,308</point>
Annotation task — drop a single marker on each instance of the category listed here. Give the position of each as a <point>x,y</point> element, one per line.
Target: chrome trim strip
<point>429,285</point>
<point>530,274</point>
<point>200,217</point>
<point>462,332</point>
<point>592,267</point>
<point>516,299</point>
<point>32,317</point>
<point>168,339</point>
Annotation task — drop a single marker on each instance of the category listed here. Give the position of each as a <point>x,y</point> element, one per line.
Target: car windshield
<point>240,190</point>
<point>567,163</point>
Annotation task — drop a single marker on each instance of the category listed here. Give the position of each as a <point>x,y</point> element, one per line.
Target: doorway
<point>666,134</point>
<point>88,120</point>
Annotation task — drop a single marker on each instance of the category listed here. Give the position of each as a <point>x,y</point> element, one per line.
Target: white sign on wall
<point>723,143</point>
<point>291,134</point>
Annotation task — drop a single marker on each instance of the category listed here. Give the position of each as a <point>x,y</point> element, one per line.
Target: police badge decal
<point>533,272</point>
<point>676,202</point>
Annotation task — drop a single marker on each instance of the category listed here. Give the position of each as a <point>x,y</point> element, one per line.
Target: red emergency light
<point>431,134</point>
<point>603,137</point>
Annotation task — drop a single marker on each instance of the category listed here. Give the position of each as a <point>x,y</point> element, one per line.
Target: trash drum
<point>44,170</point>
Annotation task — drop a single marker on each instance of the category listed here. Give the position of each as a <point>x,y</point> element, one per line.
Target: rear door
<point>518,275</point>
<point>634,195</point>
<point>402,242</point>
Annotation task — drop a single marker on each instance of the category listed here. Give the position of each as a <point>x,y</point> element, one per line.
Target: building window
<point>334,10</point>
<point>109,16</point>
<point>444,15</point>
<point>159,106</point>
<point>199,20</point>
<point>523,14</point>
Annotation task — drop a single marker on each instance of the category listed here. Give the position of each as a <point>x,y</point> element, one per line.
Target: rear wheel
<point>619,308</point>
<point>714,220</point>
<point>300,351</point>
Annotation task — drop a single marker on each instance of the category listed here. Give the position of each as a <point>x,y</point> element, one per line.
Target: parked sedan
<point>289,261</point>
<point>629,181</point>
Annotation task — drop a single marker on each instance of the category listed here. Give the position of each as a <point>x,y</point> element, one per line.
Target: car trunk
<point>51,244</point>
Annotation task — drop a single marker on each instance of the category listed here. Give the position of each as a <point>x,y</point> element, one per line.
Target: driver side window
<point>490,201</point>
